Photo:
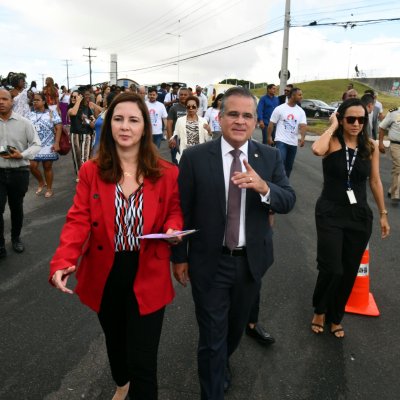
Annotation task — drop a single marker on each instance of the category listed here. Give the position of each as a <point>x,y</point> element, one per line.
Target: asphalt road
<point>52,347</point>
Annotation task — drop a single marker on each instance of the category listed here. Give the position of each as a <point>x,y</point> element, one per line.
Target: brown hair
<point>194,98</point>
<point>50,90</point>
<point>107,159</point>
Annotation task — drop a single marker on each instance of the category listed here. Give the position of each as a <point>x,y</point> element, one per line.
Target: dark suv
<point>316,108</point>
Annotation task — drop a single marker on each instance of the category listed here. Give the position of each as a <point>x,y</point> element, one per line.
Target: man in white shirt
<point>172,98</point>
<point>290,120</point>
<point>158,116</point>
<point>203,101</point>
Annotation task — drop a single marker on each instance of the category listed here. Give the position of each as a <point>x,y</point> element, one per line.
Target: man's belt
<point>394,142</point>
<point>238,252</point>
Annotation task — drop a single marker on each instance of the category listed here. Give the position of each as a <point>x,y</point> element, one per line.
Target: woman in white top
<point>212,116</point>
<point>191,129</point>
<point>19,94</point>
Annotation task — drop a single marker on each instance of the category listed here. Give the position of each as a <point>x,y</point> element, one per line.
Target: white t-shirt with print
<point>157,111</point>
<point>287,120</point>
<point>212,118</point>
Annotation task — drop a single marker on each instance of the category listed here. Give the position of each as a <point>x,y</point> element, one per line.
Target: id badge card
<point>351,196</point>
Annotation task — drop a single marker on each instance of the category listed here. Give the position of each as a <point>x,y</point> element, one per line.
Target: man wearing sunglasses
<point>176,111</point>
<point>391,125</point>
<point>284,97</point>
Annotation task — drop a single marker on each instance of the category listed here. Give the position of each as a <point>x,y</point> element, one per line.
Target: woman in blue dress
<point>48,126</point>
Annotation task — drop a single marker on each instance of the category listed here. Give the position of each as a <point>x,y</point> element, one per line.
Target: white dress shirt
<point>227,159</point>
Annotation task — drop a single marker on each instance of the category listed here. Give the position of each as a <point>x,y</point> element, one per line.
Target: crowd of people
<point>221,184</point>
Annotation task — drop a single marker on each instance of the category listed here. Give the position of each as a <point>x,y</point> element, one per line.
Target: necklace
<point>41,115</point>
<point>129,174</point>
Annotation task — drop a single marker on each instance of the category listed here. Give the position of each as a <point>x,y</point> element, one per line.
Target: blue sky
<point>37,37</point>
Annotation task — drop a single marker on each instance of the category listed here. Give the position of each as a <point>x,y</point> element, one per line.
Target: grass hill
<point>332,90</point>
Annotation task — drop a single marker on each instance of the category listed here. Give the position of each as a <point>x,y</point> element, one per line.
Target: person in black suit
<point>283,97</point>
<point>232,248</point>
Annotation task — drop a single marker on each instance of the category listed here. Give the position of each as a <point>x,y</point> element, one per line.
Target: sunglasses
<point>360,120</point>
<point>73,97</point>
<point>191,107</point>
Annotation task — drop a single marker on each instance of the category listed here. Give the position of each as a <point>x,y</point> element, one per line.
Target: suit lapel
<point>151,197</point>
<point>217,173</point>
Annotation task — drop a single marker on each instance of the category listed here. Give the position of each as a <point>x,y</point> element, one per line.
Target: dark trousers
<point>264,133</point>
<point>255,309</point>
<point>174,152</point>
<point>14,184</point>
<point>157,140</point>
<point>132,339</point>
<point>342,240</point>
<point>288,154</point>
<point>222,312</point>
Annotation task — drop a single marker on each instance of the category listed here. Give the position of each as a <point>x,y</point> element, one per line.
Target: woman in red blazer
<point>127,191</point>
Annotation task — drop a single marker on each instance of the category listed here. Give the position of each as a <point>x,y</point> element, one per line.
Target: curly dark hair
<point>15,77</point>
<point>364,144</point>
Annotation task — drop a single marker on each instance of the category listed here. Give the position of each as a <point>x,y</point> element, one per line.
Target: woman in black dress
<point>343,216</point>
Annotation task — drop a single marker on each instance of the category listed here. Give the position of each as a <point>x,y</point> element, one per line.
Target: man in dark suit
<point>232,249</point>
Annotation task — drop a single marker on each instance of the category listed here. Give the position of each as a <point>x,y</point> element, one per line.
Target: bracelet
<point>383,212</point>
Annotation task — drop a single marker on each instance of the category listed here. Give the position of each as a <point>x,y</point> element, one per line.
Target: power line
<point>344,24</point>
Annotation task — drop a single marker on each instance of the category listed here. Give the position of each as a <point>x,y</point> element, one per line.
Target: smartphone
<point>6,150</point>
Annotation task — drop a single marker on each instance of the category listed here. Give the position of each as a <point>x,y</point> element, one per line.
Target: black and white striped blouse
<point>128,219</point>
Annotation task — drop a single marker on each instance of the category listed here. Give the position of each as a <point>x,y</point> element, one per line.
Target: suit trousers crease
<point>342,241</point>
<point>222,312</point>
<point>131,339</point>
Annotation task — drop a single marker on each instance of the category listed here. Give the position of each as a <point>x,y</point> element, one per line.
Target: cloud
<point>39,36</point>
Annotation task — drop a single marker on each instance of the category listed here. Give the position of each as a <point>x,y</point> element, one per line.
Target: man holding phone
<point>20,143</point>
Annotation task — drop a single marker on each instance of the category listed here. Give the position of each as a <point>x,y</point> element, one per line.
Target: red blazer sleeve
<point>76,230</point>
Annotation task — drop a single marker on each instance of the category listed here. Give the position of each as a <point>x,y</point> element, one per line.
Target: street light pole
<point>179,48</point>
<point>116,70</point>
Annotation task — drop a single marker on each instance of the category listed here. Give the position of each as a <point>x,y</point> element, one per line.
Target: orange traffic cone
<point>361,300</point>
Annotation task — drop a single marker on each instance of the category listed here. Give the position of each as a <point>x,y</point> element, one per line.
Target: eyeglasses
<point>191,107</point>
<point>351,120</point>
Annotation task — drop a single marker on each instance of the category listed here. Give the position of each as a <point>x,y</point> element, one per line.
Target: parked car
<point>316,108</point>
<point>335,104</point>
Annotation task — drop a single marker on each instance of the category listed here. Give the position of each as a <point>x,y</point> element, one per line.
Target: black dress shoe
<point>3,252</point>
<point>17,245</point>
<point>260,334</point>
<point>227,378</point>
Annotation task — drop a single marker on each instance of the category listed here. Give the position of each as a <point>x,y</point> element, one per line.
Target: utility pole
<point>285,50</point>
<point>42,80</point>
<point>67,65</point>
<point>90,61</point>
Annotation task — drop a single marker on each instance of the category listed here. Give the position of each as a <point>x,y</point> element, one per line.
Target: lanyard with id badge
<point>349,191</point>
